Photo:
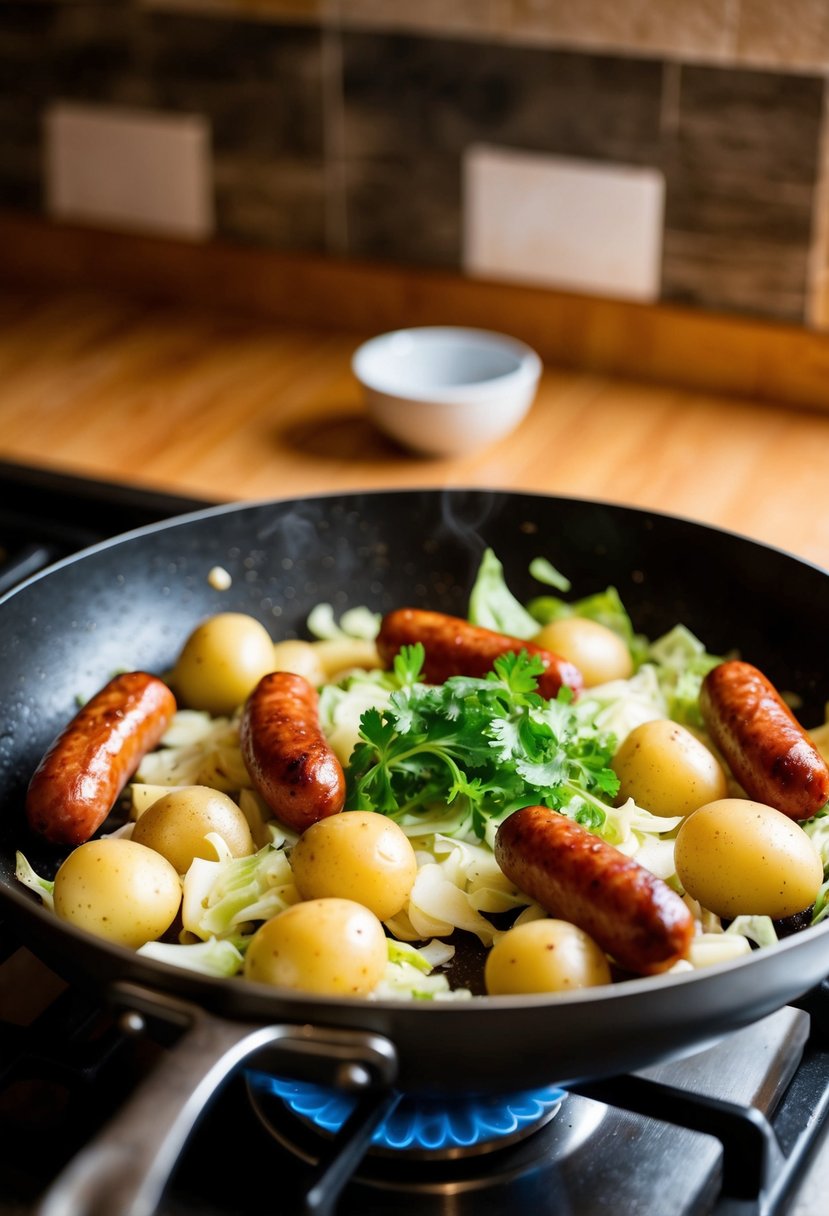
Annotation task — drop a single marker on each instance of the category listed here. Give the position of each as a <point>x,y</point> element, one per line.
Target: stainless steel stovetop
<point>736,1130</point>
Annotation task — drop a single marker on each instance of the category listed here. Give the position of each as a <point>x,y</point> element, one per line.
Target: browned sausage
<point>634,916</point>
<point>763,744</point>
<point>454,647</point>
<point>78,781</point>
<point>286,754</point>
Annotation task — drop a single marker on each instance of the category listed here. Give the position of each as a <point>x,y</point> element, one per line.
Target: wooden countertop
<point>228,407</point>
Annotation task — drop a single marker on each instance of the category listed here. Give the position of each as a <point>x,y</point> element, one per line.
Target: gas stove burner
<point>421,1127</point>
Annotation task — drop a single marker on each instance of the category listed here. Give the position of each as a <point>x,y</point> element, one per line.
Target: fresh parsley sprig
<point>489,745</point>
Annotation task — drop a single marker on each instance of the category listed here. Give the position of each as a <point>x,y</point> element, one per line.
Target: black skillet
<point>131,602</point>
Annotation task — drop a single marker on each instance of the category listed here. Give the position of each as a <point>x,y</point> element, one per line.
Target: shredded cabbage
<point>212,957</point>
<point>708,949</point>
<point>821,908</point>
<point>758,929</point>
<point>619,706</point>
<point>410,974</point>
<point>682,662</point>
<point>342,705</point>
<point>222,896</point>
<point>492,604</point>
<point>359,623</point>
<point>43,887</point>
<point>817,829</point>
<point>197,750</point>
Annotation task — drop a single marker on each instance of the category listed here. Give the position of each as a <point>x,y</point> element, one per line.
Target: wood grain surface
<point>230,407</point>
<point>685,347</point>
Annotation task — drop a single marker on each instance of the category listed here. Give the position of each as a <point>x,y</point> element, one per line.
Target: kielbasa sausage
<point>634,916</point>
<point>286,754</point>
<point>454,647</point>
<point>79,779</point>
<point>763,744</point>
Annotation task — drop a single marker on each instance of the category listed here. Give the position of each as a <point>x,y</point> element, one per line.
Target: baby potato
<point>736,856</point>
<point>333,947</point>
<point>177,823</point>
<point>119,890</point>
<point>598,652</point>
<point>300,658</point>
<point>357,855</point>
<point>544,956</point>
<point>223,659</point>
<point>667,770</point>
<point>337,655</point>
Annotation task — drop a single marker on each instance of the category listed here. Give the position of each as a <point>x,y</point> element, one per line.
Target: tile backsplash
<point>563,223</point>
<point>397,132</point>
<point>158,175</point>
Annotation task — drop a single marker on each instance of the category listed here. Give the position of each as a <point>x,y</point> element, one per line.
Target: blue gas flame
<point>420,1123</point>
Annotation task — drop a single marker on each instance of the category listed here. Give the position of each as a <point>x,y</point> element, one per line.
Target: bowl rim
<point>527,369</point>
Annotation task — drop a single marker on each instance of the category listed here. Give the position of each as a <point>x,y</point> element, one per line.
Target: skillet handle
<point>124,1170</point>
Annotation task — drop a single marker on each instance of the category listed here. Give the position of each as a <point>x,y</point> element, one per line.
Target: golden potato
<point>544,956</point>
<point>357,855</point>
<point>337,655</point>
<point>119,890</point>
<point>300,658</point>
<point>667,770</point>
<point>736,856</point>
<point>176,826</point>
<point>333,947</point>
<point>598,652</point>
<point>223,660</point>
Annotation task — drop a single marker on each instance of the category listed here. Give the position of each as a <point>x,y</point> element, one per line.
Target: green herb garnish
<point>490,745</point>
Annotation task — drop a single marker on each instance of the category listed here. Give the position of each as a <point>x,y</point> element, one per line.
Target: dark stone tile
<point>260,88</point>
<point>277,205</point>
<point>194,47</point>
<point>26,84</point>
<point>740,174</point>
<point>261,122</point>
<point>414,105</point>
<point>763,125</point>
<point>100,72</point>
<point>259,85</point>
<point>405,209</point>
<point>721,205</point>
<point>83,52</point>
<point>747,276</point>
<point>21,160</point>
<point>26,69</point>
<point>596,107</point>
<point>19,192</point>
<point>432,95</point>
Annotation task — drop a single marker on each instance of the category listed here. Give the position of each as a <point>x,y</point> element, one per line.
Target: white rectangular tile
<point>129,169</point>
<point>575,225</point>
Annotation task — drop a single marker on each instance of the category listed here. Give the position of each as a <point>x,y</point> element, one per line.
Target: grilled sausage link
<point>454,647</point>
<point>634,916</point>
<point>764,745</point>
<point>78,781</point>
<point>286,754</point>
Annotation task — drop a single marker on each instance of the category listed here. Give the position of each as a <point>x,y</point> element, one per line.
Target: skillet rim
<point>28,903</point>
<point>238,505</point>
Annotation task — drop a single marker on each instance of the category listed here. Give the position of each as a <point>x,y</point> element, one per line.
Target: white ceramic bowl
<point>446,390</point>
